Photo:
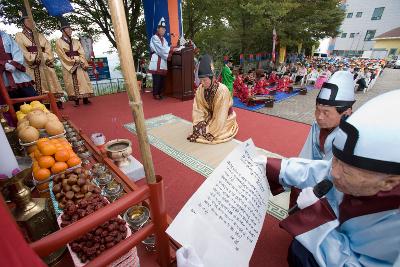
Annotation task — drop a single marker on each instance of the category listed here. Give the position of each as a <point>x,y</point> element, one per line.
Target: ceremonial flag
<point>57,7</point>
<point>241,59</point>
<point>226,58</point>
<point>251,57</point>
<point>274,36</point>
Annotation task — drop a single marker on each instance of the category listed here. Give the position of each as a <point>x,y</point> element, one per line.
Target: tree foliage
<point>245,26</point>
<point>91,17</point>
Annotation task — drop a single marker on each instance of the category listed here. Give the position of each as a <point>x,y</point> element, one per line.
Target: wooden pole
<point>128,70</point>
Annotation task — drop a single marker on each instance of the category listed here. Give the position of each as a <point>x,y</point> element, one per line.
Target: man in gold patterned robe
<point>74,65</point>
<point>214,120</point>
<point>38,72</point>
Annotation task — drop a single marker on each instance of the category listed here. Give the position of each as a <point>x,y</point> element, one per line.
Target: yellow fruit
<point>28,134</point>
<point>54,127</point>
<point>35,103</point>
<point>25,108</point>
<point>38,120</point>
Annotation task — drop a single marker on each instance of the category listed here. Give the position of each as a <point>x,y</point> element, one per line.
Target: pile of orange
<point>51,156</point>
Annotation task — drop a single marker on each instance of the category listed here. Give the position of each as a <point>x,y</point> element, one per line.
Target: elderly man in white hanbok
<point>333,101</point>
<point>17,82</point>
<point>358,222</point>
<point>161,52</point>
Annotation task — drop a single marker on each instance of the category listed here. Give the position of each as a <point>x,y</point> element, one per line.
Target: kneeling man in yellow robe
<point>214,120</point>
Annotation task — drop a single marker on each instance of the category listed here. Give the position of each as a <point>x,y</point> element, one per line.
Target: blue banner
<point>57,7</point>
<point>154,10</point>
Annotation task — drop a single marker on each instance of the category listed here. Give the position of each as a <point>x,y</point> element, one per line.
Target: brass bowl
<point>119,150</point>
<point>137,216</point>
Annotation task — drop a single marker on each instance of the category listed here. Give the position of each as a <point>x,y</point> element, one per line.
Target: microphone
<point>320,190</point>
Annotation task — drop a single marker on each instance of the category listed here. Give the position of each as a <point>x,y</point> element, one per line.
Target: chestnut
<point>72,180</point>
<point>81,182</point>
<point>69,195</point>
<point>66,187</point>
<point>79,195</point>
<point>76,188</point>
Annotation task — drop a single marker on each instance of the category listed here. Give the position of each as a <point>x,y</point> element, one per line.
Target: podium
<point>180,78</point>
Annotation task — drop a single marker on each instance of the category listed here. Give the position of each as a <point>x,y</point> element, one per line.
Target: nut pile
<point>103,237</point>
<point>73,186</point>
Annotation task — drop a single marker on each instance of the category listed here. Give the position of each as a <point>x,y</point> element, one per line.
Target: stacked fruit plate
<point>50,157</point>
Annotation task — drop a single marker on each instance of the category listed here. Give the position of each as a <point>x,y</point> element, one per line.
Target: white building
<point>364,20</point>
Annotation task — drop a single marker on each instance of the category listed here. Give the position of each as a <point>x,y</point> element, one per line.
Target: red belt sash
<point>33,49</point>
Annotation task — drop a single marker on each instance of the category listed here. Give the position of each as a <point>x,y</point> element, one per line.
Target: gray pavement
<point>301,108</point>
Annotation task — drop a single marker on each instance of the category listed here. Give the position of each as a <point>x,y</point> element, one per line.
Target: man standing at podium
<point>160,53</point>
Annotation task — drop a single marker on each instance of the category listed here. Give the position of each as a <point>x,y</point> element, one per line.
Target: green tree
<point>245,26</point>
<point>89,17</point>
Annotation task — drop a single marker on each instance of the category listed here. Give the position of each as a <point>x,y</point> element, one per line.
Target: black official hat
<point>23,15</point>
<point>206,67</point>
<point>63,23</point>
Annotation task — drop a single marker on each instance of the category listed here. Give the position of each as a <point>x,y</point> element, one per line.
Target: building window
<point>344,35</point>
<point>369,35</point>
<point>359,14</point>
<point>352,35</point>
<point>377,15</point>
<point>349,15</point>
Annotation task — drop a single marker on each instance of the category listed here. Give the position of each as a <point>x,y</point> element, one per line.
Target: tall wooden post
<point>128,70</point>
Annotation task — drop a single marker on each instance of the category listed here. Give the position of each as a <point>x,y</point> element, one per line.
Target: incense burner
<point>119,150</point>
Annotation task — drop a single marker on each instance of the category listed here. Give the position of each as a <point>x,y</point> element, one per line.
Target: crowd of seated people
<point>311,71</point>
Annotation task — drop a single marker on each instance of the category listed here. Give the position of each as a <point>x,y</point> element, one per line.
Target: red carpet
<point>108,114</point>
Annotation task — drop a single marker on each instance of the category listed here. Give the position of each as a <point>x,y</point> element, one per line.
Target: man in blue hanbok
<point>17,82</point>
<point>335,100</point>
<point>357,223</point>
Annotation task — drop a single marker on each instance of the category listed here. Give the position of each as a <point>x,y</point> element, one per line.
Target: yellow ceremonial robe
<point>32,64</point>
<point>214,120</point>
<point>74,67</point>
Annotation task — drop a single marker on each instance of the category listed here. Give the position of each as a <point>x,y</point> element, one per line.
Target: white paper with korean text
<point>223,219</point>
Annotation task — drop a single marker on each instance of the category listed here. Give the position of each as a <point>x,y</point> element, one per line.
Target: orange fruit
<point>35,166</point>
<point>37,154</point>
<point>31,149</point>
<point>48,149</point>
<point>54,141</point>
<point>32,155</point>
<point>59,167</point>
<point>42,140</point>
<point>62,155</point>
<point>42,187</point>
<point>42,144</point>
<point>46,161</point>
<point>74,161</point>
<point>41,174</point>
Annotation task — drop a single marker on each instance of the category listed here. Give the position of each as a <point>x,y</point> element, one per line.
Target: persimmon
<point>74,161</point>
<point>42,140</point>
<point>62,155</point>
<point>37,154</point>
<point>59,167</point>
<point>41,174</point>
<point>46,161</point>
<point>48,149</point>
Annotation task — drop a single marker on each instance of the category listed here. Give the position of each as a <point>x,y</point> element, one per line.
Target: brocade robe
<point>74,68</point>
<point>214,120</point>
<point>32,63</point>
